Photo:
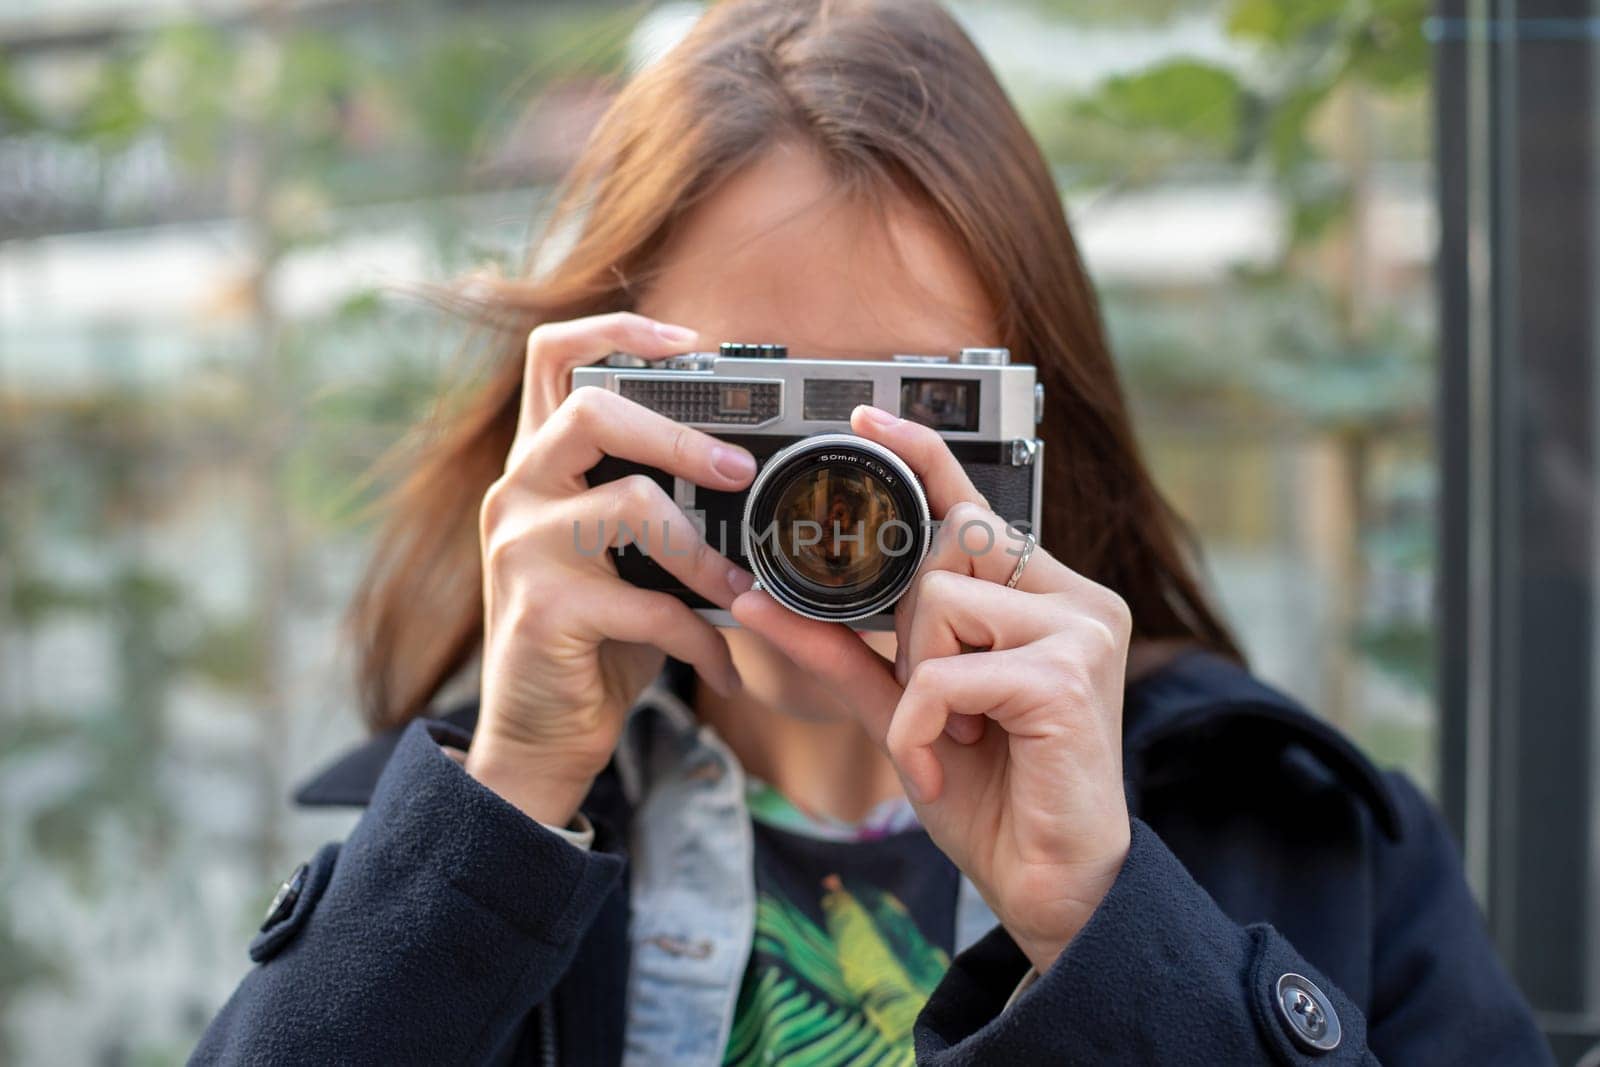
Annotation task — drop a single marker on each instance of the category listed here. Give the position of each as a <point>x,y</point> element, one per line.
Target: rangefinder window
<point>834,398</point>
<point>942,403</point>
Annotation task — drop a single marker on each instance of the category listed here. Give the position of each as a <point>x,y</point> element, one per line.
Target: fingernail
<point>740,580</point>
<point>914,790</point>
<point>725,682</point>
<point>876,416</point>
<point>734,464</point>
<point>678,335</point>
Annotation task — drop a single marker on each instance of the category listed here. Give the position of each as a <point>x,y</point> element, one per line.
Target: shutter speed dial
<point>985,357</point>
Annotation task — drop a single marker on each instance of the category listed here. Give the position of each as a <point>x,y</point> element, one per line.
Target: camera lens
<point>835,527</point>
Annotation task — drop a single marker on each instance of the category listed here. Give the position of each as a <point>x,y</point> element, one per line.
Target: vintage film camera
<point>834,526</point>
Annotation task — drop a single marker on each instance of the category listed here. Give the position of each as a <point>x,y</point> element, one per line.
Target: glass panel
<point>1519,268</point>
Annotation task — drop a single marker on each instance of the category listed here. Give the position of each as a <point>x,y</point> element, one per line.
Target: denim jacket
<point>691,883</point>
<point>1282,902</point>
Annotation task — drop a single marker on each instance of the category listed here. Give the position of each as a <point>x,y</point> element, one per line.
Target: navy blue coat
<point>450,928</point>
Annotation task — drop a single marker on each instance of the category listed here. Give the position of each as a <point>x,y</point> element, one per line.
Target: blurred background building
<point>209,215</point>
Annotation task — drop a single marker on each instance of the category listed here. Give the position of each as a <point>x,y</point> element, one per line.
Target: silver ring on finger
<point>1022,561</point>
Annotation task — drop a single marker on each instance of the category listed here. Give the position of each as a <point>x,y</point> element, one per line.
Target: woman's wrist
<point>1042,944</point>
<point>547,790</point>
<point>1042,952</point>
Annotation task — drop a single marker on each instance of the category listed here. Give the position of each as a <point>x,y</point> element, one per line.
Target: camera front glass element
<point>838,527</point>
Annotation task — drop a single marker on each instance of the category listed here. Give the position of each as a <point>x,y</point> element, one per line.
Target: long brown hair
<point>890,93</point>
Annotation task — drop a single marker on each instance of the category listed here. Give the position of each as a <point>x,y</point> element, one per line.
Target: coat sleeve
<point>425,937</point>
<point>1161,975</point>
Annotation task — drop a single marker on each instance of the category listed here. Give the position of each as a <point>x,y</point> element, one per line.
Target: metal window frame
<point>1518,132</point>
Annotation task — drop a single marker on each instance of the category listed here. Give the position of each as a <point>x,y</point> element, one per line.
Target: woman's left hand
<point>1003,712</point>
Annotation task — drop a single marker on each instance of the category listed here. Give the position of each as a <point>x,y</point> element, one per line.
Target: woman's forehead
<point>779,254</point>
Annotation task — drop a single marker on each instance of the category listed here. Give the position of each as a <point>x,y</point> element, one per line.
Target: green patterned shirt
<point>854,928</point>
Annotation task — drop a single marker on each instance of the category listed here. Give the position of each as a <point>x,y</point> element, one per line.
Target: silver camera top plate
<point>808,396</point>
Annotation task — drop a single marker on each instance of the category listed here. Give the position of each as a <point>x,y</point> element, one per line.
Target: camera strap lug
<point>1023,452</point>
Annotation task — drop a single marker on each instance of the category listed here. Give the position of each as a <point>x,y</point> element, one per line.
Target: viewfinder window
<point>942,403</point>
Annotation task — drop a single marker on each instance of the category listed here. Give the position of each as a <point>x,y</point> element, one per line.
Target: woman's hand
<point>568,645</point>
<point>1003,712</point>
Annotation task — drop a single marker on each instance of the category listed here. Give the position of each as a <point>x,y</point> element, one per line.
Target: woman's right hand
<point>567,644</point>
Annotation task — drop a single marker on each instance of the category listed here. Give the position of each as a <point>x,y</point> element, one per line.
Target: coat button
<point>283,900</point>
<point>1307,1014</point>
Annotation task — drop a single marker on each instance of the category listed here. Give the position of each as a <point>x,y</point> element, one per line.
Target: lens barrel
<point>835,527</point>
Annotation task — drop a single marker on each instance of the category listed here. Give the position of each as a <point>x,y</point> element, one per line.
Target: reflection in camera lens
<point>832,527</point>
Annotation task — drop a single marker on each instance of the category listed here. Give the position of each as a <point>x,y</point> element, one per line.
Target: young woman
<point>1051,818</point>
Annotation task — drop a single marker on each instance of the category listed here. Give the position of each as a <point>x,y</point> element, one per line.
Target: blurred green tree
<point>1319,90</point>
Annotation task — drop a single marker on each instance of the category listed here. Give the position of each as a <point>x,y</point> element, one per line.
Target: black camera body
<point>833,526</point>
